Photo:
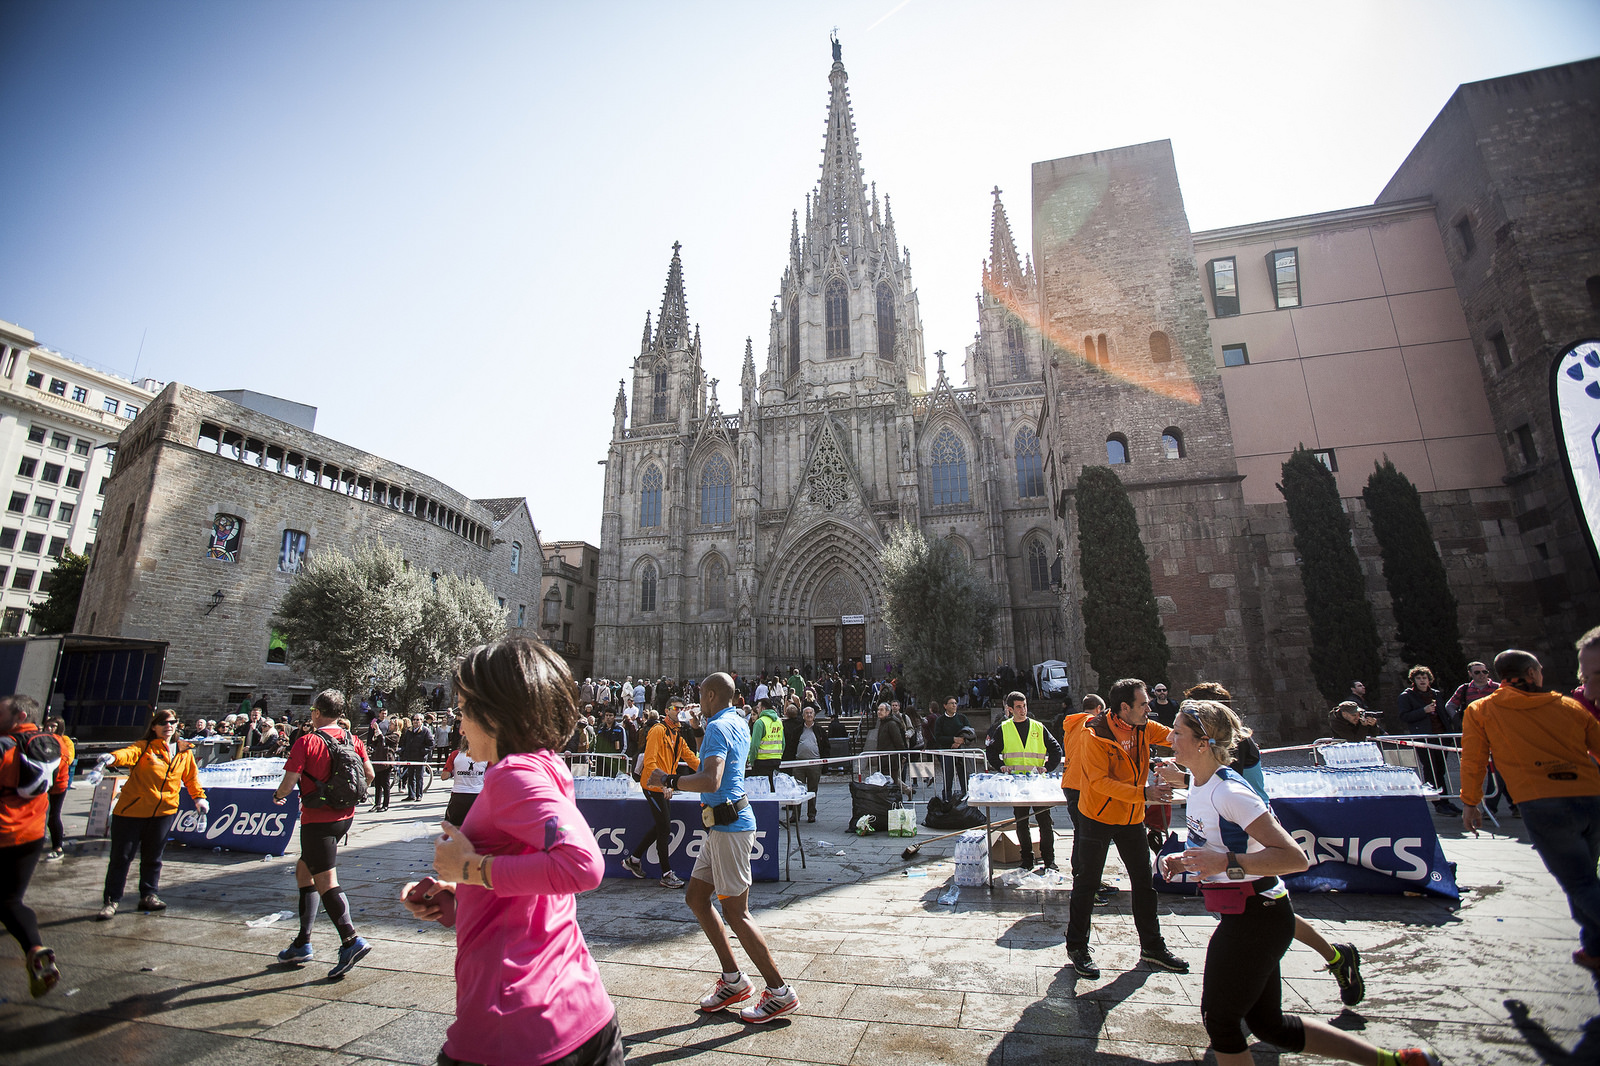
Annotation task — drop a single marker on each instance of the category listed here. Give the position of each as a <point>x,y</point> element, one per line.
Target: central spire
<point>1003,271</point>
<point>841,208</point>
<point>672,328</point>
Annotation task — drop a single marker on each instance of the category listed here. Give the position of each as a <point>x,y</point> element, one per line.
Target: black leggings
<point>57,830</point>
<point>455,812</point>
<point>381,778</point>
<point>144,837</point>
<point>659,834</point>
<point>16,870</point>
<point>1242,986</point>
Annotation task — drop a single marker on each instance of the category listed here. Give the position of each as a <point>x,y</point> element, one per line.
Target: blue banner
<point>619,824</point>
<point>241,819</point>
<point>1379,845</point>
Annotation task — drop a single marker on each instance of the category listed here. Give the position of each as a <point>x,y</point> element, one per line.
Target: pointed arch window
<point>1103,354</point>
<point>837,305</point>
<point>1038,566</point>
<point>1160,348</point>
<point>716,491</point>
<point>1016,352</point>
<point>658,399</point>
<point>647,588</point>
<point>794,336</point>
<point>1116,449</point>
<point>1030,466</point>
<point>650,498</point>
<point>716,585</point>
<point>949,469</point>
<point>885,321</point>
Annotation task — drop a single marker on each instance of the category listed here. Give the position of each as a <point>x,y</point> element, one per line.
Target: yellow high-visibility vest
<point>1020,758</point>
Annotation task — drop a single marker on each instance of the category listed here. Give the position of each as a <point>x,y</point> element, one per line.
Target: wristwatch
<point>1235,871</point>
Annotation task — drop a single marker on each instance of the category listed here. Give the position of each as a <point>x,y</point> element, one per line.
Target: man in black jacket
<point>807,740</point>
<point>952,732</point>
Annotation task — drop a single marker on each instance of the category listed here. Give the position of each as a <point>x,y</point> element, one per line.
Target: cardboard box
<point>1004,847</point>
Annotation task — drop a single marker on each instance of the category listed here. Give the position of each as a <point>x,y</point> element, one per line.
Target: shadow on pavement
<point>1549,1050</point>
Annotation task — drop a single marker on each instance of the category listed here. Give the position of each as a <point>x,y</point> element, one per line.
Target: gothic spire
<point>672,327</point>
<point>748,377</point>
<point>841,209</point>
<point>1003,271</point>
<point>644,345</point>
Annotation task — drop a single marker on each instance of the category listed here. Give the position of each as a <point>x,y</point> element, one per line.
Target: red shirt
<point>309,758</point>
<point>21,818</point>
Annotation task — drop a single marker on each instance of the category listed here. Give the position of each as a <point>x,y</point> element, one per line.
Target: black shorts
<point>319,844</point>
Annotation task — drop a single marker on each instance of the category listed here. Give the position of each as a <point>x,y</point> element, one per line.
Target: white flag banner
<point>1575,399</point>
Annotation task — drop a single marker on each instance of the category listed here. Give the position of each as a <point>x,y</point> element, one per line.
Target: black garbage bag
<point>874,800</point>
<point>952,813</point>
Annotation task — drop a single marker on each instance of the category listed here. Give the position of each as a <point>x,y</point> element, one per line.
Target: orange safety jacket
<point>1543,745</point>
<point>664,749</point>
<point>1111,781</point>
<point>152,787</point>
<point>1071,734</point>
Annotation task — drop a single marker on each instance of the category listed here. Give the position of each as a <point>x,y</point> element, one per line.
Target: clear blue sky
<point>443,223</point>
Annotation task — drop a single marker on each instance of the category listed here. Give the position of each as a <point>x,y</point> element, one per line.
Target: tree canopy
<point>1424,607</point>
<point>1344,636</point>
<point>1121,625</point>
<point>351,618</point>
<point>60,608</point>
<point>940,612</point>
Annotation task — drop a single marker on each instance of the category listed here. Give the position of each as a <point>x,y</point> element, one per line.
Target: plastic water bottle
<point>94,776</point>
<point>200,823</point>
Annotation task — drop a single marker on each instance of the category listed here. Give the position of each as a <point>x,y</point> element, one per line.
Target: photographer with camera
<point>1351,723</point>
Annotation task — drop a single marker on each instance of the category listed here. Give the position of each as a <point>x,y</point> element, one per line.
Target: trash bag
<point>874,801</point>
<point>951,813</point>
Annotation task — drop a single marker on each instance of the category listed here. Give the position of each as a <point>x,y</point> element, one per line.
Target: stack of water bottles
<point>972,859</point>
<point>1020,789</point>
<point>243,773</point>
<point>620,787</point>
<point>788,788</point>
<point>1311,782</point>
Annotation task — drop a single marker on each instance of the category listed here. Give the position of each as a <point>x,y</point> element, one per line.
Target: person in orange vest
<point>158,766</point>
<point>58,788</point>
<point>1071,782</point>
<point>28,761</point>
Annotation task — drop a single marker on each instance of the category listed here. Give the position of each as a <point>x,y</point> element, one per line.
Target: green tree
<point>60,608</point>
<point>346,616</point>
<point>940,612</point>
<point>458,614</point>
<point>1121,625</point>
<point>1424,607</point>
<point>1344,637</point>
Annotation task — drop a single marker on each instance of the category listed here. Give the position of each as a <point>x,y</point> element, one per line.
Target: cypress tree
<point>1121,626</point>
<point>1424,607</point>
<point>1344,637</point>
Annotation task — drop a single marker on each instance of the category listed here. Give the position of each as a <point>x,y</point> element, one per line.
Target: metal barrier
<point>1436,757</point>
<point>596,764</point>
<point>910,769</point>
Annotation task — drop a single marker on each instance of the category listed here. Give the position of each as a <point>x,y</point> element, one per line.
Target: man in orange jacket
<point>664,749</point>
<point>1542,743</point>
<point>28,761</point>
<point>1111,765</point>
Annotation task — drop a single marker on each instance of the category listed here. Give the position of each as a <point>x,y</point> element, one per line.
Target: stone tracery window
<point>885,321</point>
<point>716,491</point>
<point>650,498</point>
<point>716,585</point>
<point>1030,466</point>
<point>1038,566</point>
<point>794,336</point>
<point>949,469</point>
<point>647,588</point>
<point>837,306</point>
<point>658,401</point>
<point>1016,352</point>
<point>829,477</point>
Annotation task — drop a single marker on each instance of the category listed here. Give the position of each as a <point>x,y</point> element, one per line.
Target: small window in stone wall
<point>1116,449</point>
<point>227,530</point>
<point>169,695</point>
<point>292,553</point>
<point>1160,348</point>
<point>299,699</point>
<point>1172,443</point>
<point>277,649</point>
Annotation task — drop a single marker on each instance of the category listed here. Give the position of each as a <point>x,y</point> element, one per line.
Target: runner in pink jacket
<point>527,990</point>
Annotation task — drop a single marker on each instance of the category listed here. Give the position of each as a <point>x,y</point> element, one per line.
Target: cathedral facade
<point>750,540</point>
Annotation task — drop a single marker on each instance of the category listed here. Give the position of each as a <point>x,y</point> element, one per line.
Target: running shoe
<point>1418,1056</point>
<point>106,913</point>
<point>770,1006</point>
<point>296,952</point>
<point>1104,895</point>
<point>671,880</point>
<point>1160,958</point>
<point>633,865</point>
<point>42,972</point>
<point>53,855</point>
<point>1083,962</point>
<point>1347,971</point>
<point>724,995</point>
<point>152,903</point>
<point>349,954</point>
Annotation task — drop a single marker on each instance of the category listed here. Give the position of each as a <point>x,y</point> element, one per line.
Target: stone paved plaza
<point>886,974</point>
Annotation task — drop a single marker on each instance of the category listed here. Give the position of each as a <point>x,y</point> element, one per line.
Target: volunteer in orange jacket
<point>1542,744</point>
<point>58,787</point>
<point>27,766</point>
<point>158,766</point>
<point>664,749</point>
<point>1111,766</point>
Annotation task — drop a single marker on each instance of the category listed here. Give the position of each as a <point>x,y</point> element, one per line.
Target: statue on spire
<point>834,37</point>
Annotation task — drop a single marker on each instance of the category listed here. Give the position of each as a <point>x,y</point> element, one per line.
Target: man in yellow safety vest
<point>1022,745</point>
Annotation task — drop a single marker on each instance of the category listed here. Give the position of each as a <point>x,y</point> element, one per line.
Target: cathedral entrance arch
<point>824,599</point>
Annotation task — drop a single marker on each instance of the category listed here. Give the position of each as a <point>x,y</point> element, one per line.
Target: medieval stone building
<point>751,540</point>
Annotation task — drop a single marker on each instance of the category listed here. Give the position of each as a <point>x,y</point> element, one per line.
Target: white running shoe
<point>723,995</point>
<point>770,1006</point>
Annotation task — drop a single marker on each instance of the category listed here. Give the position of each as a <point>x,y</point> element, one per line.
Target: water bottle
<point>94,776</point>
<point>200,823</point>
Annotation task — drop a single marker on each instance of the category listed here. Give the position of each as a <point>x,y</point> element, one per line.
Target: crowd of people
<point>514,851</point>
